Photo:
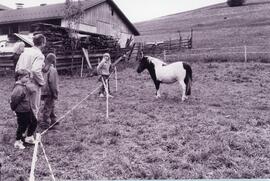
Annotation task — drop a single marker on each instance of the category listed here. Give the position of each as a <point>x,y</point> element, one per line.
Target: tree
<point>73,17</point>
<point>233,3</point>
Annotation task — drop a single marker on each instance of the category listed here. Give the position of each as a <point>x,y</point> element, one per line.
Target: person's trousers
<point>48,110</point>
<point>102,88</point>
<point>26,121</point>
<point>35,98</point>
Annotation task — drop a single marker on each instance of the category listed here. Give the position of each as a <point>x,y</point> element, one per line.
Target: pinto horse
<point>161,72</point>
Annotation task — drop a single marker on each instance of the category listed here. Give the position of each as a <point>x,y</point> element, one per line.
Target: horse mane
<point>155,61</point>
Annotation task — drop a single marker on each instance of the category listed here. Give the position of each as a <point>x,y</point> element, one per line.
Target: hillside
<point>214,26</point>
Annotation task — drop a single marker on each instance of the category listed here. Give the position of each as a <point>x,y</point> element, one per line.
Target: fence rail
<point>68,60</point>
<point>157,47</point>
<point>222,54</point>
<point>63,62</point>
<point>170,44</point>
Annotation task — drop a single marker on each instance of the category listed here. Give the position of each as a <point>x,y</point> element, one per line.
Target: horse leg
<point>157,84</point>
<point>182,83</point>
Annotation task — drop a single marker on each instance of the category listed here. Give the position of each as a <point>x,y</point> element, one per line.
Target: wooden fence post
<point>82,68</point>
<point>164,55</point>
<point>34,159</point>
<point>190,39</point>
<point>140,48</point>
<point>180,40</point>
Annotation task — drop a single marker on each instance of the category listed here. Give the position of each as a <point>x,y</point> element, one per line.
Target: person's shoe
<point>19,144</point>
<point>30,140</point>
<point>101,95</point>
<point>24,135</point>
<point>44,125</point>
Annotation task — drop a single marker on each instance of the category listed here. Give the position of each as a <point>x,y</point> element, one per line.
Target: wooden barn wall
<point>107,22</point>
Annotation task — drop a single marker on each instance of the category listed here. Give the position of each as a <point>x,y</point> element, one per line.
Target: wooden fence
<point>153,48</point>
<point>68,62</point>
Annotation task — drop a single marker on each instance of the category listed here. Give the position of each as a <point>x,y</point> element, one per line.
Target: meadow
<point>214,26</point>
<point>221,131</point>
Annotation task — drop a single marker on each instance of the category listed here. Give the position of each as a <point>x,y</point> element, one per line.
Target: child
<point>103,69</point>
<point>20,103</point>
<point>49,92</point>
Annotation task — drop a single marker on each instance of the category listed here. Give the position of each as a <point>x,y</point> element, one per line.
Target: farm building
<point>100,16</point>
<point>2,7</point>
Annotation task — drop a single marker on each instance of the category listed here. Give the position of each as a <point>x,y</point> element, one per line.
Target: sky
<point>135,10</point>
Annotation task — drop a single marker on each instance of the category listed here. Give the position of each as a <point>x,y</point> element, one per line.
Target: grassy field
<point>214,26</point>
<point>222,131</point>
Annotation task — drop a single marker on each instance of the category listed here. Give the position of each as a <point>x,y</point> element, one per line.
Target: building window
<point>4,30</point>
<point>14,29</point>
<point>24,28</point>
<point>112,11</point>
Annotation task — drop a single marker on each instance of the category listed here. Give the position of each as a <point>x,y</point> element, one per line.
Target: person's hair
<point>21,73</point>
<point>39,39</point>
<point>19,47</point>
<point>51,59</point>
<point>106,54</point>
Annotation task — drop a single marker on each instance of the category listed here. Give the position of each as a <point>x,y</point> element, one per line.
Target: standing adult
<point>33,61</point>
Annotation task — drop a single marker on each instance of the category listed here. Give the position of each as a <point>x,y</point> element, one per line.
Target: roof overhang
<point>122,15</point>
<point>28,39</point>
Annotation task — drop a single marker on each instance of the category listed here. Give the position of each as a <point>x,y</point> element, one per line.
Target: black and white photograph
<point>134,90</point>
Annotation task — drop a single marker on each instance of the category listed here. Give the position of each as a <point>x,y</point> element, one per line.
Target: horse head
<point>143,62</point>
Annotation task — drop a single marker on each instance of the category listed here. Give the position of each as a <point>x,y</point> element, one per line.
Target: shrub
<point>233,3</point>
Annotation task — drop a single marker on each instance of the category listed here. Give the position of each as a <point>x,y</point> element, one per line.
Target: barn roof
<point>54,11</point>
<point>2,7</point>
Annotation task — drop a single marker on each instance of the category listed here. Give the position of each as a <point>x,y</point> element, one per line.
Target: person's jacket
<point>32,60</point>
<point>20,98</point>
<point>50,87</point>
<point>103,67</point>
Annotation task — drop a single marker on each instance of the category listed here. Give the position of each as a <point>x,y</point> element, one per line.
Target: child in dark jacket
<point>20,103</point>
<point>49,92</point>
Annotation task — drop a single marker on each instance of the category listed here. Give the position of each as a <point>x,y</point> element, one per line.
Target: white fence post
<point>34,159</point>
<point>47,160</point>
<point>116,83</point>
<point>105,84</point>
<point>107,98</point>
<point>245,53</point>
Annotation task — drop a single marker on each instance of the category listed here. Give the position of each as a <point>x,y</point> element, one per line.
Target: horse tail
<point>188,78</point>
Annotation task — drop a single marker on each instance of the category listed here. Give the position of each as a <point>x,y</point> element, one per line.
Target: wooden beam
<point>85,52</point>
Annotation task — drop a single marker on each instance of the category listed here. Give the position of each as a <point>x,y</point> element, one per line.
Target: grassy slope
<point>214,26</point>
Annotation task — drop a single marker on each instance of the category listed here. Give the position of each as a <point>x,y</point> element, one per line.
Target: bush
<point>233,3</point>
